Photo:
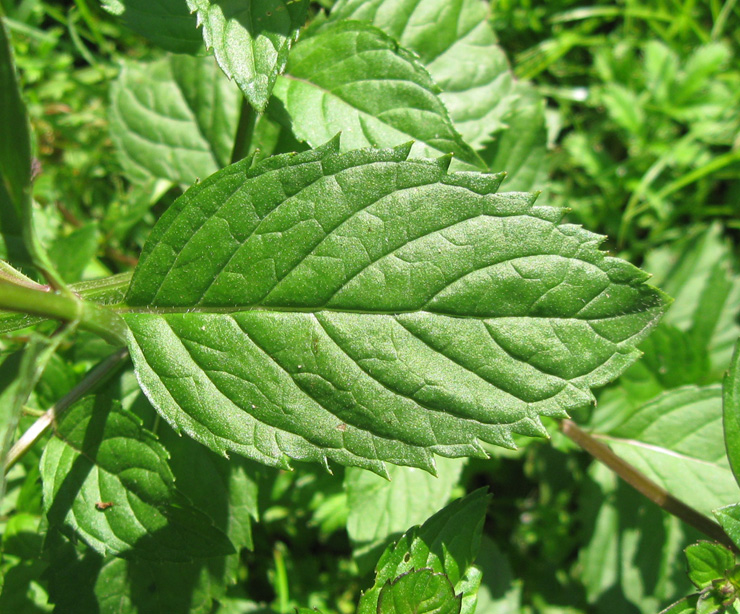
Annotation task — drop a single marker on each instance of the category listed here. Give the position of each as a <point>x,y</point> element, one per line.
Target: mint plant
<point>340,276</point>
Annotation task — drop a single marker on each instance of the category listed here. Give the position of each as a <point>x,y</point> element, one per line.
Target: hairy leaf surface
<point>446,544</point>
<point>174,118</point>
<point>251,40</point>
<point>107,479</point>
<point>364,307</point>
<point>353,78</point>
<point>420,591</point>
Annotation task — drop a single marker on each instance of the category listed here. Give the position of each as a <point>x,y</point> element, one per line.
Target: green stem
<point>644,485</point>
<point>97,375</point>
<point>67,308</point>
<point>244,131</point>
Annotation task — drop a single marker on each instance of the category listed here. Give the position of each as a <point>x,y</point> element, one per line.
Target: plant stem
<point>244,131</point>
<point>644,485</point>
<point>101,372</point>
<point>89,316</point>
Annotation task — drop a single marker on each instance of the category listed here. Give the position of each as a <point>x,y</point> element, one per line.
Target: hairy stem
<point>644,485</point>
<point>64,307</point>
<point>244,131</point>
<point>97,375</point>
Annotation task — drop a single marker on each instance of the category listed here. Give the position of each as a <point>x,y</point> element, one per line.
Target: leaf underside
<point>364,307</point>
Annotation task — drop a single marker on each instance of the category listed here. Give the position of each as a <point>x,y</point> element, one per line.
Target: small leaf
<point>360,82</point>
<point>419,592</point>
<point>731,412</point>
<point>729,519</point>
<point>687,605</point>
<point>445,544</point>
<point>673,440</point>
<point>251,40</point>
<point>73,252</point>
<point>364,308</point>
<point>707,562</point>
<point>103,455</point>
<point>167,23</point>
<point>174,118</point>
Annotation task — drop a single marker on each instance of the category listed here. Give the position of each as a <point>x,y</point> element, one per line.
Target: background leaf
<point>102,455</point>
<point>380,508</point>
<point>392,310</point>
<point>251,40</point>
<point>673,441</point>
<point>15,158</point>
<point>360,82</point>
<point>731,413</point>
<point>497,115</point>
<point>174,118</point>
<point>169,24</point>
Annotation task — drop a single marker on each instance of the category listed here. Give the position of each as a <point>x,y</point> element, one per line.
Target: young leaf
<point>731,412</point>
<point>673,440</point>
<point>359,81</point>
<point>445,544</point>
<point>167,23</point>
<point>729,518</point>
<point>420,591</point>
<point>380,508</point>
<point>174,118</point>
<point>107,479</point>
<point>363,307</point>
<point>251,40</point>
<point>707,562</point>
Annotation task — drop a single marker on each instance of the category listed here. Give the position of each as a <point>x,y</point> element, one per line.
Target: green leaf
<point>707,562</point>
<point>729,519</point>
<point>630,557</point>
<point>500,592</point>
<point>698,273</point>
<point>687,605</point>
<point>15,158</point>
<point>731,412</point>
<point>107,479</point>
<point>674,439</point>
<point>73,252</point>
<point>363,307</point>
<point>84,581</point>
<point>174,118</point>
<point>420,591</point>
<point>457,45</point>
<point>360,82</point>
<point>251,40</point>
<point>672,358</point>
<point>380,508</point>
<point>446,544</point>
<point>167,23</point>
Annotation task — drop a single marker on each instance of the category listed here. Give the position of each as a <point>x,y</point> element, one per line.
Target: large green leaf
<point>174,118</point>
<point>364,307</point>
<point>167,23</point>
<point>107,479</point>
<point>15,157</point>
<point>353,78</point>
<point>492,111</point>
<point>380,508</point>
<point>675,441</point>
<point>446,544</point>
<point>420,591</point>
<point>251,40</point>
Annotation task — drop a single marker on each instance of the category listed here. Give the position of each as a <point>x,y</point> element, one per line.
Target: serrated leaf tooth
<point>479,183</point>
<point>532,427</point>
<point>404,150</point>
<point>444,161</point>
